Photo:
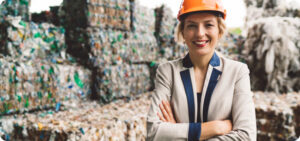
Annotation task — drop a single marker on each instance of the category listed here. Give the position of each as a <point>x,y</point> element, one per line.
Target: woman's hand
<point>166,110</point>
<point>215,128</point>
<point>223,127</point>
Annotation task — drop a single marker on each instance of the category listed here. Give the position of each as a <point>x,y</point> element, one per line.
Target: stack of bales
<point>272,52</point>
<point>36,73</point>
<point>277,120</point>
<point>116,43</point>
<point>121,58</point>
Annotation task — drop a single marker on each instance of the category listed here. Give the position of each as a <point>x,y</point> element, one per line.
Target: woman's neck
<point>200,62</point>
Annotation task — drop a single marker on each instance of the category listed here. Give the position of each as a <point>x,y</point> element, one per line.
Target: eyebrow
<point>207,21</point>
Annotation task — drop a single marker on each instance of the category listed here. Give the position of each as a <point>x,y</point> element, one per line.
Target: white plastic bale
<point>271,48</point>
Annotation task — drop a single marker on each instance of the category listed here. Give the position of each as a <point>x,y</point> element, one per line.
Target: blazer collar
<point>214,61</point>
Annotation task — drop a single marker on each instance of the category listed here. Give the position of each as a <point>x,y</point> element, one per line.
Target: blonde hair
<point>180,26</point>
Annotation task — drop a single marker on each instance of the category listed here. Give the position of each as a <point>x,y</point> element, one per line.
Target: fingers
<point>229,124</point>
<point>161,117</point>
<point>167,106</point>
<point>164,112</point>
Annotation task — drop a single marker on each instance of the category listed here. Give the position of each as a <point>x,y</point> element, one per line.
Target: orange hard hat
<point>189,6</point>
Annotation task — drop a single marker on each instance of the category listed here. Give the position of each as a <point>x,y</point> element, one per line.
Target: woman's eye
<point>191,26</point>
<point>209,25</point>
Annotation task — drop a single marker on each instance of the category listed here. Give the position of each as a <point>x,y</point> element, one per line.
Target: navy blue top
<point>198,101</point>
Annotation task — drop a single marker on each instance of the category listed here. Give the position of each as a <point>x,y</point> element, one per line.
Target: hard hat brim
<point>202,9</point>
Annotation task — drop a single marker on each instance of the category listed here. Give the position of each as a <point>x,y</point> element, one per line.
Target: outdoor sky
<point>236,10</point>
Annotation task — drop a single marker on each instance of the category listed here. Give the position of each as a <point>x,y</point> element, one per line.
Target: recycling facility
<point>85,70</point>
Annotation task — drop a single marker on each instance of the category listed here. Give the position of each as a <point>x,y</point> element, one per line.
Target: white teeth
<point>200,42</point>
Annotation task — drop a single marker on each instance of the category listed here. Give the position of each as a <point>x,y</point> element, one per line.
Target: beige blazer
<point>226,94</point>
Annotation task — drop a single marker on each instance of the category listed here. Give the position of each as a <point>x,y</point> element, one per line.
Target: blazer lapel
<point>210,83</point>
<point>187,77</point>
<point>188,87</point>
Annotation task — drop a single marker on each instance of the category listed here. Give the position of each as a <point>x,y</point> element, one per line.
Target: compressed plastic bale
<point>39,84</point>
<point>109,14</point>
<point>111,35</point>
<point>272,53</point>
<point>28,40</point>
<point>164,30</point>
<point>143,19</point>
<point>103,14</point>
<point>274,117</point>
<point>122,81</point>
<point>16,8</point>
<point>84,120</point>
<point>293,100</point>
<point>116,47</point>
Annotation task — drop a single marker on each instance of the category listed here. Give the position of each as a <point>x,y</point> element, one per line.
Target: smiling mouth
<point>201,43</point>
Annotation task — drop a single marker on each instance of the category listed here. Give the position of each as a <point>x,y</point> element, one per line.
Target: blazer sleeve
<point>243,111</point>
<point>158,130</point>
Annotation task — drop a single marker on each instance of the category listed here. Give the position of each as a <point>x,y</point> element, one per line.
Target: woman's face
<point>201,33</point>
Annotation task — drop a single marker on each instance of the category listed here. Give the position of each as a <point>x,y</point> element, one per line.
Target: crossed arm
<point>209,129</point>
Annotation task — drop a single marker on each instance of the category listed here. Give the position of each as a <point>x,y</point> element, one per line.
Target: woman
<point>202,96</point>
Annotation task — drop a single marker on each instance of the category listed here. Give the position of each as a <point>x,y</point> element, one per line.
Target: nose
<point>200,31</point>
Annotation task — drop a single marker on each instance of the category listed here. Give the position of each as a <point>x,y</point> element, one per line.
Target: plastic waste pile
<point>120,120</point>
<point>36,72</point>
<point>277,116</point>
<point>273,54</point>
